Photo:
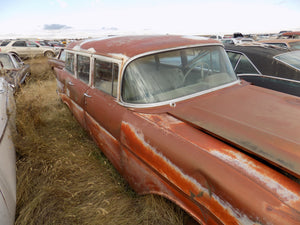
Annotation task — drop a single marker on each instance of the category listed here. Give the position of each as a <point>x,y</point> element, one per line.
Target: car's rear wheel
<point>49,54</point>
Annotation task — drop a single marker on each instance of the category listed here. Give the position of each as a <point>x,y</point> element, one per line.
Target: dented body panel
<point>225,156</point>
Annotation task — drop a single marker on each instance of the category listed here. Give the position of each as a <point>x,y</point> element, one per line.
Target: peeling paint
<point>119,56</point>
<point>240,162</point>
<point>78,48</point>
<point>195,187</point>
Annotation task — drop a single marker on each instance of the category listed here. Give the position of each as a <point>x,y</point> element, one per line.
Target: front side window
<point>175,74</point>
<point>83,68</point>
<point>70,62</point>
<point>106,77</point>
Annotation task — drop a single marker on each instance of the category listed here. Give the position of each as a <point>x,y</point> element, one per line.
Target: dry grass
<point>62,178</point>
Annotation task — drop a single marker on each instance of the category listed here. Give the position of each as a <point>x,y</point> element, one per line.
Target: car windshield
<point>6,62</point>
<point>295,45</point>
<point>290,58</point>
<point>174,74</point>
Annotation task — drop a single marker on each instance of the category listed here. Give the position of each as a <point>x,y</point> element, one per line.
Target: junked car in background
<point>25,49</point>
<point>265,66</point>
<point>237,41</point>
<point>7,155</point>
<point>13,69</point>
<point>59,60</point>
<point>173,118</point>
<point>291,44</point>
<point>290,34</point>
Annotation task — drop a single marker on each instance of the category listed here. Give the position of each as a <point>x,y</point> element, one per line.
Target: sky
<point>94,18</point>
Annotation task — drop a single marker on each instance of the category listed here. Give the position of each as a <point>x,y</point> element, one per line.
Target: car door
<point>74,81</point>
<point>20,48</point>
<point>33,49</point>
<point>103,113</point>
<point>23,69</point>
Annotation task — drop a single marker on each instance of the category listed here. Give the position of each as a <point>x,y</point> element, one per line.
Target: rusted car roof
<point>121,47</point>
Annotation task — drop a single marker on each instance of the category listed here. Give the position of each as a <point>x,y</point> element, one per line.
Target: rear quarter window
<point>70,62</point>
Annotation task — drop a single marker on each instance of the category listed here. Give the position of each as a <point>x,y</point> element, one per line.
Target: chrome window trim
<point>270,76</point>
<point>240,59</point>
<point>73,75</point>
<point>172,101</point>
<point>148,105</point>
<point>91,64</point>
<point>111,60</point>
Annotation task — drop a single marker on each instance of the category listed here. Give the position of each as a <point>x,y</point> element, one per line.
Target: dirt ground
<point>62,176</point>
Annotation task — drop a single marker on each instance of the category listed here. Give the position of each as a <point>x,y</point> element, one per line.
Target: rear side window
<point>106,77</point>
<point>83,68</point>
<point>241,64</point>
<point>19,44</point>
<point>4,43</point>
<point>70,62</point>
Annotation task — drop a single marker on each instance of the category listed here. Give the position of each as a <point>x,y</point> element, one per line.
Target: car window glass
<point>19,44</point>
<point>290,58</point>
<point>83,68</point>
<point>281,45</point>
<point>106,77</point>
<point>62,55</point>
<point>147,80</point>
<point>6,62</point>
<point>4,43</point>
<point>70,62</point>
<point>245,66</point>
<point>31,44</point>
<point>18,60</point>
<point>234,58</point>
<point>295,45</point>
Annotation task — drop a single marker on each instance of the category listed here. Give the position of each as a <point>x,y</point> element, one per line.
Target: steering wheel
<point>204,70</point>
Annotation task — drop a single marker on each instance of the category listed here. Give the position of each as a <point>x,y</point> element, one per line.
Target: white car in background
<point>25,48</point>
<point>7,155</point>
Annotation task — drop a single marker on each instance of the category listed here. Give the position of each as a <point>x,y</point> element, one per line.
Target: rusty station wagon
<point>174,119</point>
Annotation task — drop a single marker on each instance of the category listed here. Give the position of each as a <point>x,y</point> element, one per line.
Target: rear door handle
<point>70,83</point>
<point>86,95</point>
